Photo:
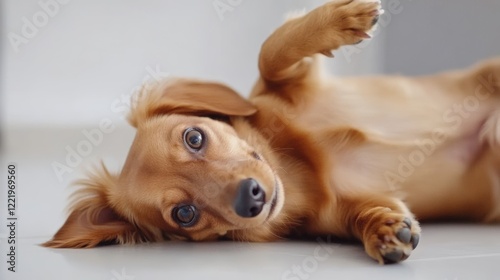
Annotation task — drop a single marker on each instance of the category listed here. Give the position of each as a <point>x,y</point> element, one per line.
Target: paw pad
<point>394,239</point>
<point>394,257</point>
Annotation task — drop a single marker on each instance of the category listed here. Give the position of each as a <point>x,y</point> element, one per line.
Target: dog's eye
<point>193,138</point>
<point>185,215</point>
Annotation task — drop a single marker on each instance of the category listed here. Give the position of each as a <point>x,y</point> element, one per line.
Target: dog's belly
<point>420,145</point>
<point>456,179</point>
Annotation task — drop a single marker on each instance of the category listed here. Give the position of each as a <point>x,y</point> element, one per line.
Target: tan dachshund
<point>306,155</point>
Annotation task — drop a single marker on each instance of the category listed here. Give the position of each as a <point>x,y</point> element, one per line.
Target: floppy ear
<point>189,97</point>
<point>93,221</point>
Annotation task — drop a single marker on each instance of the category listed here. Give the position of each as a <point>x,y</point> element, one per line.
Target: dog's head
<point>196,170</point>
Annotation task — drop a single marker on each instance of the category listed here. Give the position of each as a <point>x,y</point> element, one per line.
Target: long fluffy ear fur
<point>93,221</point>
<point>190,97</point>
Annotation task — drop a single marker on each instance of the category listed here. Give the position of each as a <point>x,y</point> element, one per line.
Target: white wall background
<point>91,55</point>
<point>429,36</point>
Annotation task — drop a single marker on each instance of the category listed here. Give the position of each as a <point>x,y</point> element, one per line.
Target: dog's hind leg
<point>337,23</point>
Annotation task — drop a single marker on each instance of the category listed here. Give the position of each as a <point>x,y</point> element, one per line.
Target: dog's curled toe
<point>348,22</point>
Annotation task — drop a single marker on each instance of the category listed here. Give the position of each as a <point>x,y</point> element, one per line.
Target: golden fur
<point>356,158</point>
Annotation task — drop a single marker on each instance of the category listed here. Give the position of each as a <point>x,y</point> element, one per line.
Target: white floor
<point>445,252</point>
<point>452,251</point>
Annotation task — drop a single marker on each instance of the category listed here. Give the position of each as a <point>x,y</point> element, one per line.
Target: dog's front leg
<point>337,23</point>
<point>385,226</point>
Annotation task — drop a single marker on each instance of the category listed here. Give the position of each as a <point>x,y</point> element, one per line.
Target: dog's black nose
<point>250,198</point>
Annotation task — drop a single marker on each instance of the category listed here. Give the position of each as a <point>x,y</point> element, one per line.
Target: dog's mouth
<point>273,202</point>
<point>274,199</point>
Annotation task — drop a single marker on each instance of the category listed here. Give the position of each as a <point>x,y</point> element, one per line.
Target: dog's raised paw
<point>355,19</point>
<point>341,22</point>
<point>393,239</point>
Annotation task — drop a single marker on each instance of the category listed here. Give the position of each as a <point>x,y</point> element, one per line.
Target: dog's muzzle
<point>250,198</point>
